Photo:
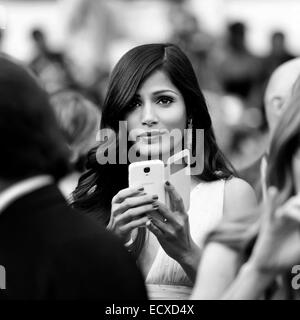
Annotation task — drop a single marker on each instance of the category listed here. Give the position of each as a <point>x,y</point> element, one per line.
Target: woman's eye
<point>135,104</point>
<point>165,100</point>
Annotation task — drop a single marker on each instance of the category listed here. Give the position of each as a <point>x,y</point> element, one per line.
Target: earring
<point>189,140</point>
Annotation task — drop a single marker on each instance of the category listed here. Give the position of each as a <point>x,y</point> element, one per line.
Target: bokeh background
<point>234,46</point>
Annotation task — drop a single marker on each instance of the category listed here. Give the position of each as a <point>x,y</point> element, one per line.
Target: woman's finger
<point>164,212</point>
<point>292,213</point>
<point>163,225</point>
<point>294,201</point>
<point>157,232</point>
<point>134,224</point>
<point>292,205</point>
<point>125,193</point>
<point>176,201</point>
<point>133,202</point>
<point>272,193</point>
<point>133,213</point>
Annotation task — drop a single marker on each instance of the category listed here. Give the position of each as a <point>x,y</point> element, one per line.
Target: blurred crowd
<point>251,99</point>
<point>232,77</point>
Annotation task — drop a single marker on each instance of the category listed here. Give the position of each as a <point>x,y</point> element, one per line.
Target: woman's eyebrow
<point>164,91</point>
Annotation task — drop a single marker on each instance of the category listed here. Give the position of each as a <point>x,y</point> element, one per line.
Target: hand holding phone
<point>152,175</point>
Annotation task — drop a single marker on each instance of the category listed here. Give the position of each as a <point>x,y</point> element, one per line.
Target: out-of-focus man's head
<point>278,90</point>
<point>31,142</point>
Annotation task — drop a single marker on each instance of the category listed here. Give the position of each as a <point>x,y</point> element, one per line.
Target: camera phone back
<point>149,174</point>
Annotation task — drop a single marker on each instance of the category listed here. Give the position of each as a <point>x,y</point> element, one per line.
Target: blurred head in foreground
<point>278,91</point>
<point>31,142</point>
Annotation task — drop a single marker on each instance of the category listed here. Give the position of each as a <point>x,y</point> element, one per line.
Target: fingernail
<point>155,197</point>
<point>155,206</point>
<point>167,183</point>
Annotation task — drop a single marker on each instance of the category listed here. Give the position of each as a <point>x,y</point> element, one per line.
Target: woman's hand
<point>278,245</point>
<point>173,232</point>
<point>128,211</point>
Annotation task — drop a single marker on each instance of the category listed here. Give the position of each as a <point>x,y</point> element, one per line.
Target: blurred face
<point>157,108</point>
<point>296,170</point>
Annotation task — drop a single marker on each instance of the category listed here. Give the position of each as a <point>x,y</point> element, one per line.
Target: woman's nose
<point>149,117</point>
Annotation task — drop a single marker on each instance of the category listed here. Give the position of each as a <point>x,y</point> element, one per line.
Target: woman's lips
<point>152,133</point>
<point>151,136</point>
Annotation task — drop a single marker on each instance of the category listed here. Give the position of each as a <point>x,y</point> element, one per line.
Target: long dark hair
<point>97,187</point>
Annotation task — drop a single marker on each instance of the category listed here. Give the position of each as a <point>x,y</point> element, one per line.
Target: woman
<point>269,242</point>
<point>154,88</point>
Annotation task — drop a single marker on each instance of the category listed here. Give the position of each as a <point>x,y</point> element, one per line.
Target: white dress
<point>166,279</point>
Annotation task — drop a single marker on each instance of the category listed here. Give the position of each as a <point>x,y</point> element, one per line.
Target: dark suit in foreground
<point>50,251</point>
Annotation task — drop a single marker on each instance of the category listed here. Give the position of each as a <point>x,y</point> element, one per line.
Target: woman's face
<point>157,108</point>
<point>296,170</point>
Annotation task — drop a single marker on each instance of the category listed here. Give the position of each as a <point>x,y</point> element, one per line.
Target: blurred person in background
<point>276,95</point>
<point>50,66</point>
<point>237,68</point>
<point>91,29</point>
<point>153,87</point>
<point>48,250</point>
<point>78,119</point>
<point>259,253</point>
<point>186,32</point>
<point>239,74</point>
<point>278,54</point>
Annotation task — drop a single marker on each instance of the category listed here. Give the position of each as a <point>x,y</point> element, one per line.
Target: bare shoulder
<point>239,198</point>
<point>240,186</point>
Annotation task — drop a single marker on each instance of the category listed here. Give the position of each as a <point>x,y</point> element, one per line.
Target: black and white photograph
<point>149,153</point>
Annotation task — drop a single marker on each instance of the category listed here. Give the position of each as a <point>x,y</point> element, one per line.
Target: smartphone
<point>179,174</point>
<point>149,174</point>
